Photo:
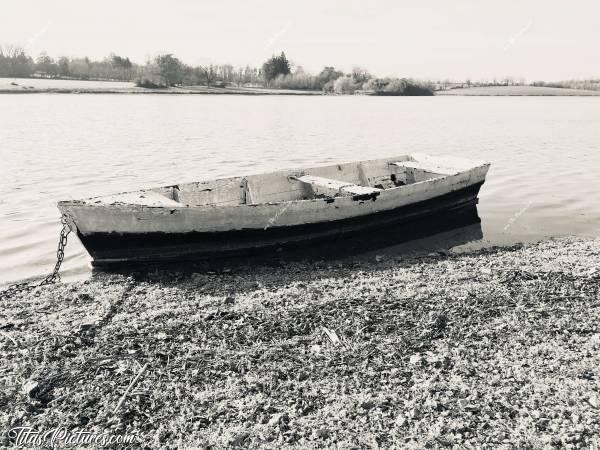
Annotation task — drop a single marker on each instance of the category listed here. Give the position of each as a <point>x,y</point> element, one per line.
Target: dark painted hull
<point>118,248</point>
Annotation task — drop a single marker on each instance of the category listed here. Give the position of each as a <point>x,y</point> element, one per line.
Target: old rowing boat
<point>240,215</point>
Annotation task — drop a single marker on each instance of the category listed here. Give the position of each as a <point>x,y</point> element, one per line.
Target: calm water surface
<point>545,154</point>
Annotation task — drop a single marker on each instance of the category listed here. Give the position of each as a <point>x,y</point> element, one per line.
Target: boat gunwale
<point>476,164</point>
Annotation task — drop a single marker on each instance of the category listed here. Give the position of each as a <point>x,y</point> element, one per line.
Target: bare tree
<point>17,62</point>
<point>208,73</point>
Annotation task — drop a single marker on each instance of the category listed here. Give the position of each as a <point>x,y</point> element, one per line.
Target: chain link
<point>60,253</point>
<point>52,277</point>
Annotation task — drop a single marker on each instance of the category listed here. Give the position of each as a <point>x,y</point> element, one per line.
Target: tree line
<point>277,72</point>
<point>15,62</point>
<point>166,70</point>
<point>592,84</point>
<point>162,70</point>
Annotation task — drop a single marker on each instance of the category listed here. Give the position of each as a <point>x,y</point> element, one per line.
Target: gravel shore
<point>498,348</point>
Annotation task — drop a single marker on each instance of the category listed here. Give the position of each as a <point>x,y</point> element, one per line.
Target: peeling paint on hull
<point>117,248</point>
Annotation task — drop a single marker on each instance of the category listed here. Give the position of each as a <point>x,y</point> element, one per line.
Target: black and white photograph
<point>332,224</point>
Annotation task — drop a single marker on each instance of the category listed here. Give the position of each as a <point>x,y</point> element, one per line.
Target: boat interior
<point>360,180</point>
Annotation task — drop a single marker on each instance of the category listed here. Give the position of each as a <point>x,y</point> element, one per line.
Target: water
<point>545,154</point>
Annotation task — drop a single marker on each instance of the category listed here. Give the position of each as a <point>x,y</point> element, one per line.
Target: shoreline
<point>275,92</point>
<point>49,86</point>
<point>438,349</point>
<point>143,91</point>
<point>106,88</point>
<point>517,91</point>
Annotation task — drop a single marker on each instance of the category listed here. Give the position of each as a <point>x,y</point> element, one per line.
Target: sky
<point>428,39</point>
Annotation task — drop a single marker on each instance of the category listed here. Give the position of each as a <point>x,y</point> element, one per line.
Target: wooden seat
<point>425,167</point>
<point>331,188</point>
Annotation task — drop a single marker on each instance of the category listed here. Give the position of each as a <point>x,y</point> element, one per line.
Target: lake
<point>543,182</point>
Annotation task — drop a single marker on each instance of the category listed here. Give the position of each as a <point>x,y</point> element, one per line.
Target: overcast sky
<point>421,38</point>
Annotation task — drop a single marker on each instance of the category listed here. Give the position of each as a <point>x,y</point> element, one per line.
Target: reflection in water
<point>438,233</point>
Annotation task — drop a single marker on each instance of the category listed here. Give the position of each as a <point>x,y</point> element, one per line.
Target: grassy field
<point>498,348</point>
<point>517,91</point>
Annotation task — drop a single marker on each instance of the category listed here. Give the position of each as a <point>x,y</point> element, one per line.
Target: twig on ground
<point>332,335</point>
<point>9,337</point>
<point>58,398</point>
<point>133,382</point>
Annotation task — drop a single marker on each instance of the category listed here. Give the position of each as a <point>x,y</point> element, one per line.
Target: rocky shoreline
<point>497,348</point>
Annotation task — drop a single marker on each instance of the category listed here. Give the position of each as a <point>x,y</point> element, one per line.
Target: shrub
<point>344,85</point>
<point>300,81</point>
<point>149,84</point>
<point>397,86</point>
<point>328,87</point>
<point>418,89</point>
<point>327,77</point>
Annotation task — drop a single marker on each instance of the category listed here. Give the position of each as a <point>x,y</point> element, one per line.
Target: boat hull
<point>110,248</point>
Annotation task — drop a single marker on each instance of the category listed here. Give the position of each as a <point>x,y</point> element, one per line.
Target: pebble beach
<point>495,348</point>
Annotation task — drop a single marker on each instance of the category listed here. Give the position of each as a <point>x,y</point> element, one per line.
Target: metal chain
<point>60,253</point>
<point>52,277</point>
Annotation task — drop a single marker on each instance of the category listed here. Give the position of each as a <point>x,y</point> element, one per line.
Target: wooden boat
<point>241,215</point>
